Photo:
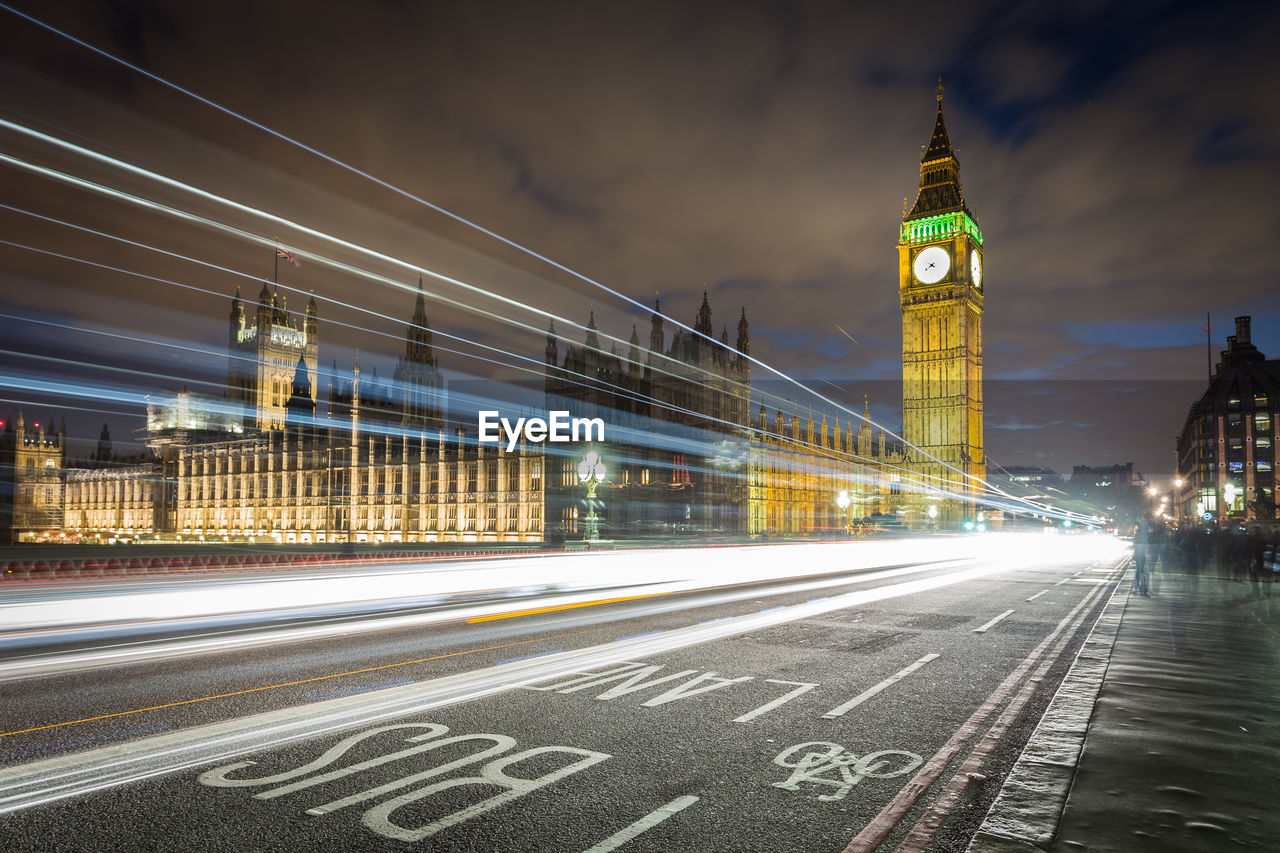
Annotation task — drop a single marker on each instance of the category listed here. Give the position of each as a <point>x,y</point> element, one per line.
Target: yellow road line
<point>299,681</point>
<point>561,607</point>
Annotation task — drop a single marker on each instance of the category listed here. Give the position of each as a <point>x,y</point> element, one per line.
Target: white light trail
<point>52,779</point>
<point>380,256</point>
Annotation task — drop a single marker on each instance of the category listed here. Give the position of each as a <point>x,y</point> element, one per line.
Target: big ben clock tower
<point>940,267</point>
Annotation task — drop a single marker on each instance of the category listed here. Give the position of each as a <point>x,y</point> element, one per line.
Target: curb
<point>1024,817</point>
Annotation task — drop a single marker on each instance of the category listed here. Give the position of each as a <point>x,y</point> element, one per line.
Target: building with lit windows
<point>802,482</point>
<point>264,351</point>
<point>677,413</point>
<point>32,459</point>
<point>1226,449</point>
<point>260,465</point>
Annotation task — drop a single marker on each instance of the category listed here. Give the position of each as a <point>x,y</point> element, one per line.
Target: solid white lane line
<point>1037,595</point>
<point>649,821</point>
<point>872,691</point>
<point>984,628</point>
<point>874,833</point>
<point>1061,582</point>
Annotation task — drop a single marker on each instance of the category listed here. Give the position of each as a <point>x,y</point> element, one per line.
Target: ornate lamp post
<point>843,501</point>
<point>591,473</point>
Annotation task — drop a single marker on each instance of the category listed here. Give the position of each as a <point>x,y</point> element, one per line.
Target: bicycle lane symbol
<point>839,768</point>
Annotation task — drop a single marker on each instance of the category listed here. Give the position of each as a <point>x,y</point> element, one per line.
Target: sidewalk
<point>1182,746</point>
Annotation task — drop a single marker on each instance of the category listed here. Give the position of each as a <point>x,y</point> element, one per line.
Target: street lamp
<point>844,501</point>
<point>591,473</point>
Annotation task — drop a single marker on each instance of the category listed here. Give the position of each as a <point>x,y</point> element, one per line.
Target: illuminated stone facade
<point>264,352</point>
<point>348,486</point>
<point>114,503</point>
<point>32,458</point>
<point>259,465</point>
<point>940,286</point>
<point>795,476</point>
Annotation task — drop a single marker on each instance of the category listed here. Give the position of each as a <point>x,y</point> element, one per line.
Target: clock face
<point>932,264</point>
<point>975,268</point>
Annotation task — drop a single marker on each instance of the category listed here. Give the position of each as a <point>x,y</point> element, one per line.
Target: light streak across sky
<point>986,487</point>
<point>314,233</point>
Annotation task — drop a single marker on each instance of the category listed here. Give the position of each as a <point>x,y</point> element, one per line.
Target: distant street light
<point>1153,491</point>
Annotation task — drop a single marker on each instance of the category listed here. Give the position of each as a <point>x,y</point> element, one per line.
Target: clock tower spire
<point>940,288</point>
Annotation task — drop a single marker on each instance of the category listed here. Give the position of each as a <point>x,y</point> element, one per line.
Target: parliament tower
<point>265,350</point>
<point>940,266</point>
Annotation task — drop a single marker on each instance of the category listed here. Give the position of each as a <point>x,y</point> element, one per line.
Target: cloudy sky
<point>1120,158</point>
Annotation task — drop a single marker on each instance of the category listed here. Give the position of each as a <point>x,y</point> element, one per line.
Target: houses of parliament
<point>686,452</point>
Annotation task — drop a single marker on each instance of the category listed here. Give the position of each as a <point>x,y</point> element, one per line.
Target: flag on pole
<point>281,252</point>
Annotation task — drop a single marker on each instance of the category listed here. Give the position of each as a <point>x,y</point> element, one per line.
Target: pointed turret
<point>263,317</point>
<point>657,338</point>
<point>553,349</point>
<point>280,314</point>
<point>301,408</point>
<point>744,333</point>
<point>939,146</point>
<point>593,340</point>
<point>864,429</point>
<point>236,323</point>
<point>703,324</point>
<point>312,324</point>
<point>633,351</point>
<point>417,349</point>
<point>104,445</point>
<point>940,190</point>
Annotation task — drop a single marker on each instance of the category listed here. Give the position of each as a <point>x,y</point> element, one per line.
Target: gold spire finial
<point>940,91</point>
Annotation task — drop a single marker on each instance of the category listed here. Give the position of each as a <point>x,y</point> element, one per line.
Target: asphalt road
<point>871,710</point>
